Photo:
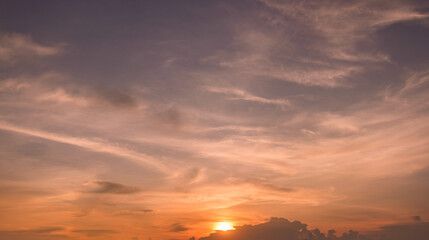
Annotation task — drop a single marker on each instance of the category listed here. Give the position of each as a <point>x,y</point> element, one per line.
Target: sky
<point>139,120</point>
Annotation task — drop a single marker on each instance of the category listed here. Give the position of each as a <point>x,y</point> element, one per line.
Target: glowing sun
<point>224,226</point>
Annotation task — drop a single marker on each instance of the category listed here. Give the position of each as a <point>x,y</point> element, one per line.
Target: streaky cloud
<point>96,146</point>
<point>15,47</point>
<point>107,187</point>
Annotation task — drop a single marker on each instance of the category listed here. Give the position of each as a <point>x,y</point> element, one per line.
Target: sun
<point>224,226</point>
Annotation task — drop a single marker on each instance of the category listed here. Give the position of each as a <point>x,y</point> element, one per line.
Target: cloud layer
<point>280,229</point>
<point>152,119</point>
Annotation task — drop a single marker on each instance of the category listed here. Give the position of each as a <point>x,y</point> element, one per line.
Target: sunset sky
<point>161,119</point>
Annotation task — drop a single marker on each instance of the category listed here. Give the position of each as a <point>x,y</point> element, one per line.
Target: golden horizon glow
<point>224,226</point>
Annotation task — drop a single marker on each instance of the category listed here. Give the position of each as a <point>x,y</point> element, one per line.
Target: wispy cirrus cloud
<point>237,94</point>
<point>339,41</point>
<point>343,25</point>
<point>56,88</point>
<point>15,47</point>
<point>93,145</point>
<point>234,111</point>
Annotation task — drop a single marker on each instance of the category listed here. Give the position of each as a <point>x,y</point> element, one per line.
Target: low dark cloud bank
<point>45,233</point>
<point>283,229</point>
<point>415,231</point>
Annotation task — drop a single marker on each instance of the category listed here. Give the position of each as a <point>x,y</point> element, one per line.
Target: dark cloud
<point>116,97</point>
<point>414,231</point>
<point>49,229</point>
<point>146,210</point>
<point>94,232</point>
<point>111,187</point>
<point>417,218</point>
<point>177,227</point>
<point>45,233</point>
<point>171,118</point>
<point>282,229</point>
<point>274,229</point>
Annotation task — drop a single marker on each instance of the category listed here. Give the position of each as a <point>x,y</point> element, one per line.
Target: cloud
<point>342,25</point>
<point>146,210</point>
<point>280,229</point>
<point>94,232</point>
<point>262,184</point>
<point>48,229</point>
<point>93,145</point>
<point>15,46</point>
<point>414,231</point>
<point>53,88</point>
<point>45,233</point>
<point>170,118</point>
<point>177,227</point>
<point>312,43</point>
<point>275,228</point>
<point>106,187</point>
<point>237,94</point>
<point>116,98</point>
<point>222,140</point>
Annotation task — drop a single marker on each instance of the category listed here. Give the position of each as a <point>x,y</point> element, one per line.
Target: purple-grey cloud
<point>282,229</point>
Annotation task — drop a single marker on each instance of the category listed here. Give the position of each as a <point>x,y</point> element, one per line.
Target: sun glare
<point>224,226</point>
